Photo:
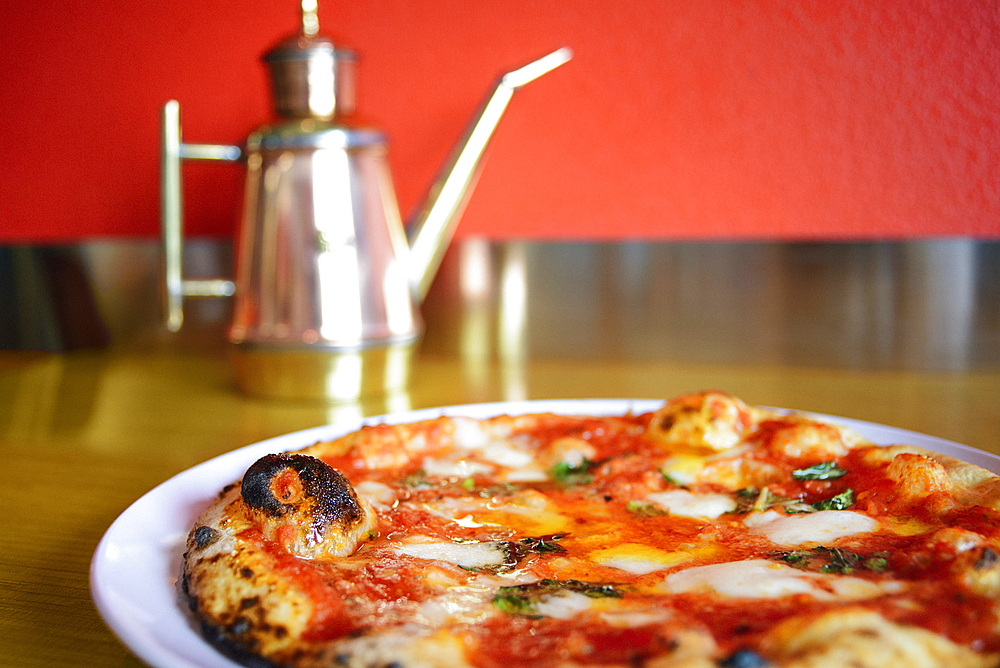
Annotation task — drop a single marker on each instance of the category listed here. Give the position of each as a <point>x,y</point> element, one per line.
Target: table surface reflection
<point>900,334</point>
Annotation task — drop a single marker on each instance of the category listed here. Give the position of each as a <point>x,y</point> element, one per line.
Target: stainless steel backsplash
<point>928,305</point>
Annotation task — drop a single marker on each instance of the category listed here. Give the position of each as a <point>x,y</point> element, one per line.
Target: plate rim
<point>137,637</point>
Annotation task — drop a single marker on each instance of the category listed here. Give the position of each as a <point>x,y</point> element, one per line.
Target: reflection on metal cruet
<point>327,286</point>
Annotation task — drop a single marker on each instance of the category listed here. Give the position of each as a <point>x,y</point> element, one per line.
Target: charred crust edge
<point>220,638</point>
<point>256,485</point>
<point>205,536</point>
<point>332,498</point>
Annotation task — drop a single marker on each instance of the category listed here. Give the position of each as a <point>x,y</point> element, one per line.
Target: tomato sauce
<point>946,609</point>
<point>735,624</point>
<point>352,594</point>
<point>544,643</point>
<point>329,619</point>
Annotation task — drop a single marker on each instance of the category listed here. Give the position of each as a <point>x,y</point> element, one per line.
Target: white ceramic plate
<point>134,573</point>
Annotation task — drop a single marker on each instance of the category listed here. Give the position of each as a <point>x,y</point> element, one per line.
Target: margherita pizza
<point>707,533</point>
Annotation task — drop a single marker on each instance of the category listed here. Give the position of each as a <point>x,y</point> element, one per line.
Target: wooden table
<point>84,434</point>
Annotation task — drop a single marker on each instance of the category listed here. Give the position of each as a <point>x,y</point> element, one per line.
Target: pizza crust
<point>713,421</point>
<point>922,472</point>
<point>244,607</point>
<point>863,639</point>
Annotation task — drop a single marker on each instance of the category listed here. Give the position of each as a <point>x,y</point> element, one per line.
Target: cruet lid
<point>311,76</point>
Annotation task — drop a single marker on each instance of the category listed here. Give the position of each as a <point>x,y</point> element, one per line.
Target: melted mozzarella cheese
<point>461,468</point>
<point>639,559</point>
<point>379,495</point>
<point>684,469</point>
<point>569,451</point>
<point>564,604</point>
<point>809,528</point>
<point>489,443</point>
<point>454,508</point>
<point>465,555</point>
<point>470,434</point>
<point>457,603</point>
<point>506,455</point>
<point>525,474</point>
<point>683,503</point>
<point>760,578</point>
<point>528,512</point>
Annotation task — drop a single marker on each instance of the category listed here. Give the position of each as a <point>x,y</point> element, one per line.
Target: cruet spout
<point>430,230</point>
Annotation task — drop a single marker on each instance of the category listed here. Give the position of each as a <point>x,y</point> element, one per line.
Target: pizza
<point>707,533</point>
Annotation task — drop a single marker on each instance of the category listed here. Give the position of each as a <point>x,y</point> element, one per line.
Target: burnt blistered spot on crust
<point>234,649</point>
<point>240,639</point>
<point>256,487</point>
<point>231,592</point>
<point>279,484</point>
<point>666,422</point>
<point>744,658</point>
<point>240,627</point>
<point>185,586</point>
<point>713,420</point>
<point>988,560</point>
<point>205,536</point>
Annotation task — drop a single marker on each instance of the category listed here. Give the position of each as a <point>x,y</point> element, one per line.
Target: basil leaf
<point>833,560</point>
<point>544,544</point>
<point>796,558</point>
<point>644,509</point>
<point>841,561</point>
<point>513,553</point>
<point>567,474</point>
<point>590,589</point>
<point>670,480</point>
<point>842,501</point>
<point>876,564</point>
<point>521,600</point>
<point>824,471</point>
<point>417,480</point>
<point>751,498</point>
<point>513,604</point>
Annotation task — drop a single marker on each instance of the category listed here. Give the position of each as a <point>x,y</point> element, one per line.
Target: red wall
<point>854,119</point>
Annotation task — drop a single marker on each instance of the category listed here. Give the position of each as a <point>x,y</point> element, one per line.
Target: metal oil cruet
<point>327,283</point>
